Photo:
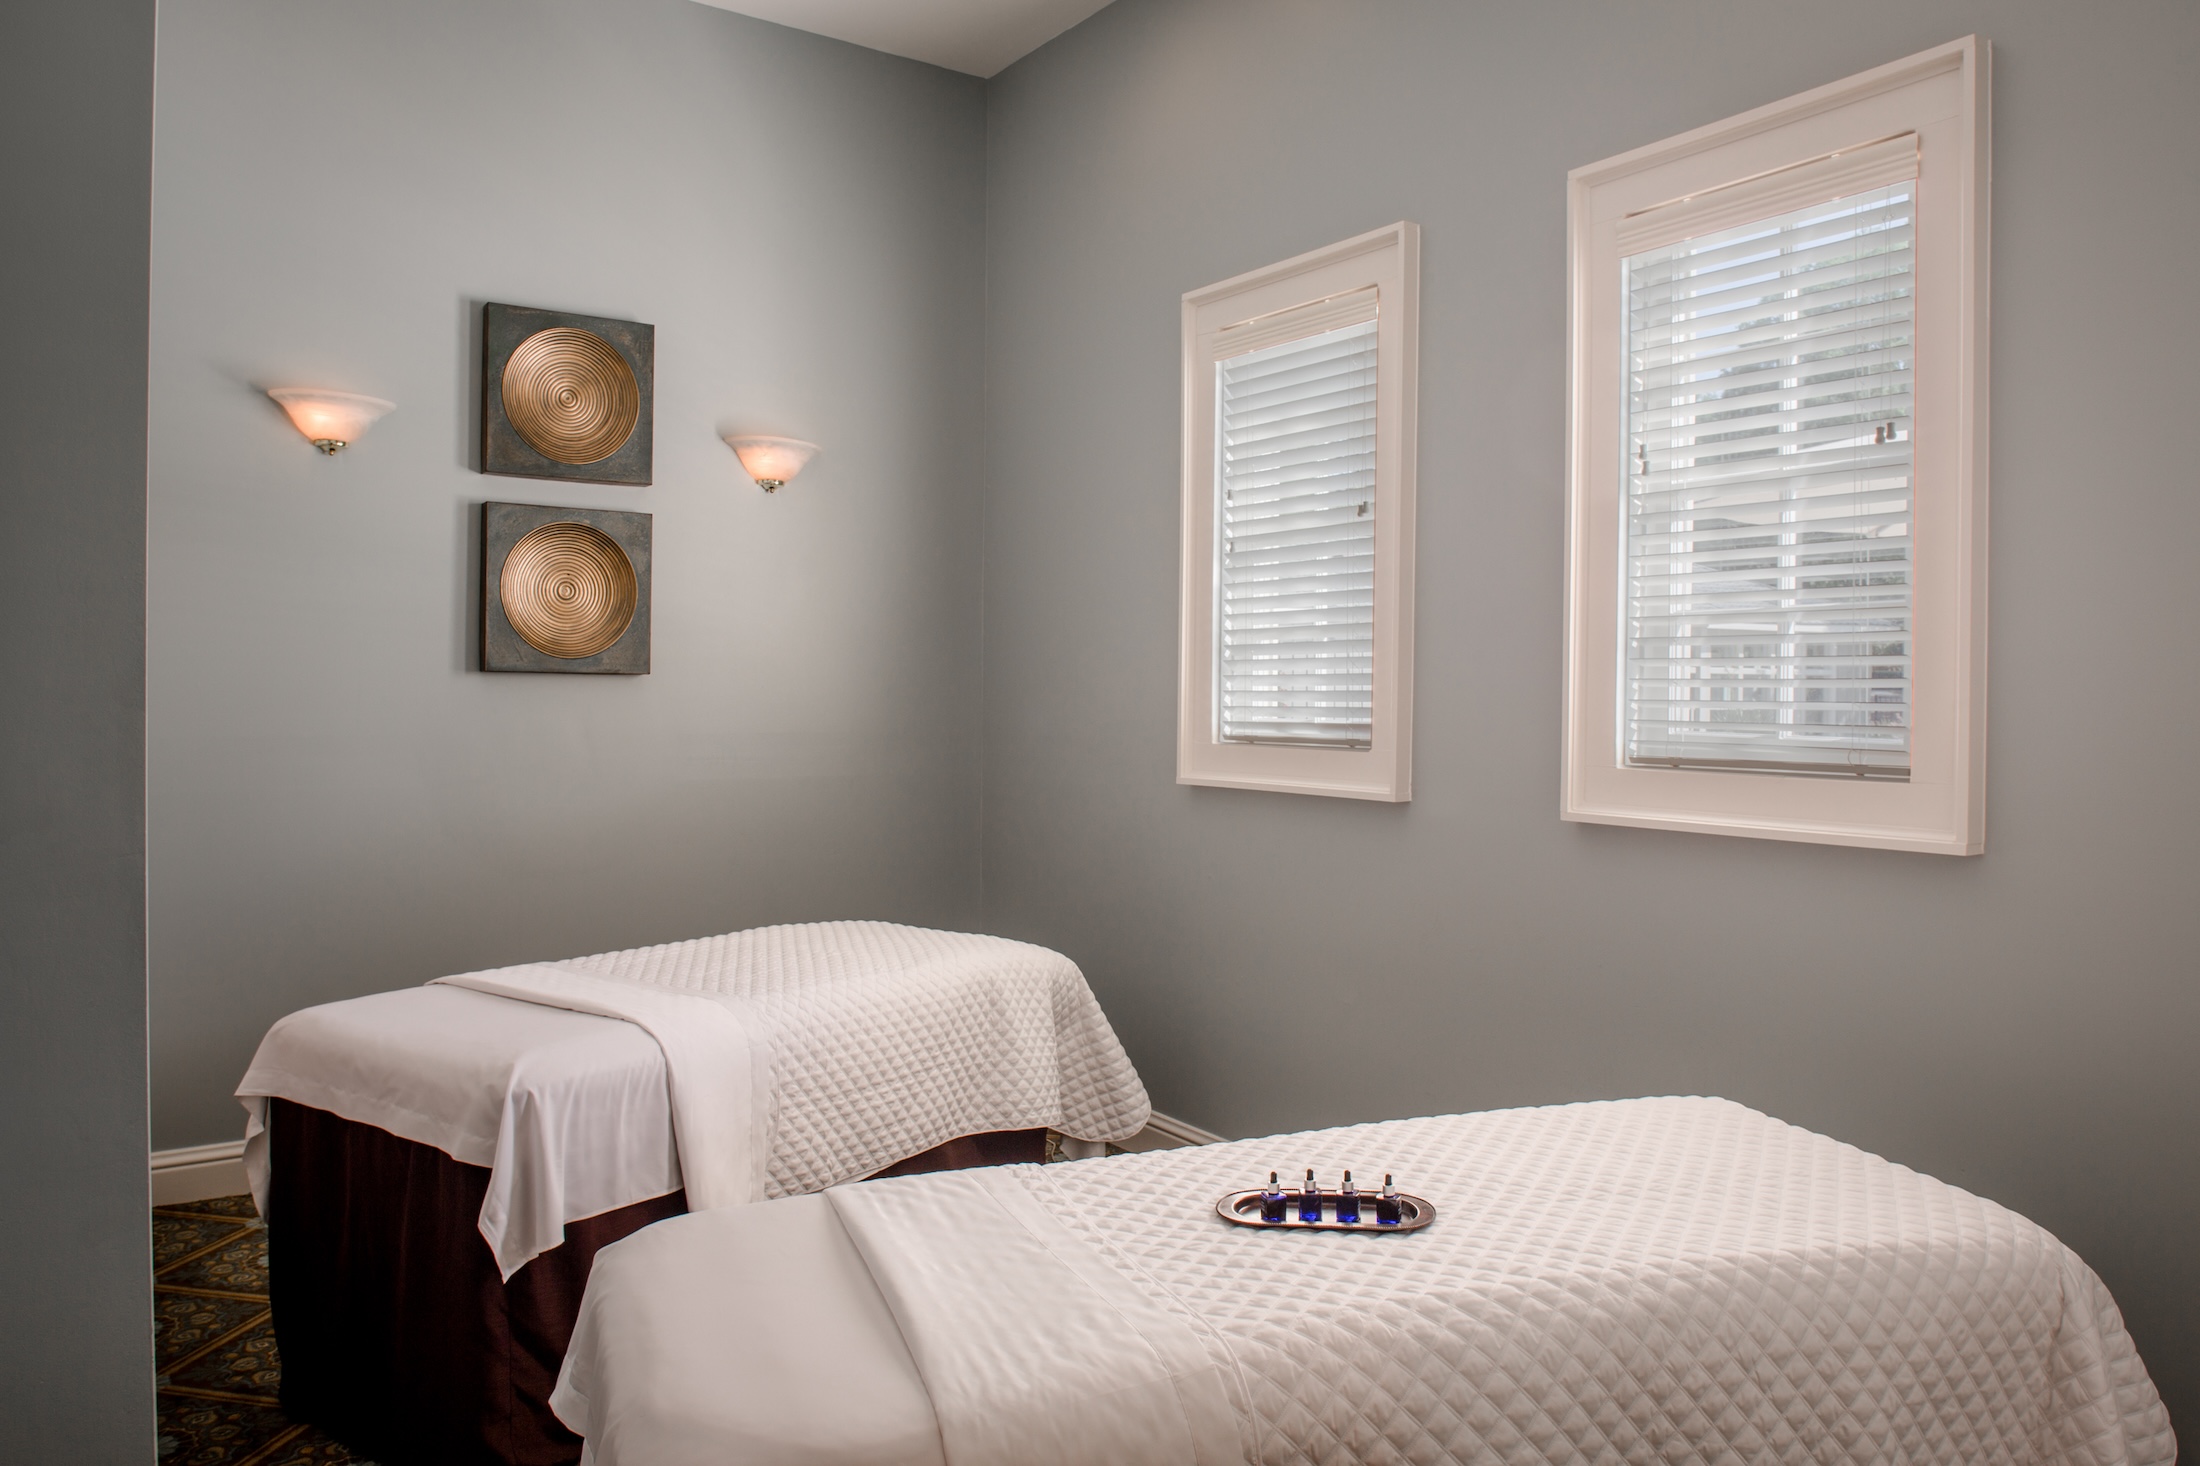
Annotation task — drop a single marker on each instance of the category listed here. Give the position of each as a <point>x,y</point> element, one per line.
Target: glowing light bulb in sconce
<point>329,420</point>
<point>772,462</point>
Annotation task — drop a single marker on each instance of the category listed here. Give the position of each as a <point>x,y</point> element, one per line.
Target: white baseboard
<point>1166,1132</point>
<point>198,1173</point>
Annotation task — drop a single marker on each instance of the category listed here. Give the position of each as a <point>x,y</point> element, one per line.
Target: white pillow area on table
<point>1650,1279</point>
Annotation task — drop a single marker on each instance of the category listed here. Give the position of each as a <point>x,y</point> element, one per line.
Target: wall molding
<point>198,1173</point>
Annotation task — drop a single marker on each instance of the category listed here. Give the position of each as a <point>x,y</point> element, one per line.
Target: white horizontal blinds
<point>1295,528</point>
<point>1768,500</point>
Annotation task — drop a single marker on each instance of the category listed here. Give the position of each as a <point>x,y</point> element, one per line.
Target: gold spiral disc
<point>568,590</point>
<point>571,395</point>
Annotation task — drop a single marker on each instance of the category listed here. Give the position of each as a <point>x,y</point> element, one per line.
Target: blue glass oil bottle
<point>1348,1202</point>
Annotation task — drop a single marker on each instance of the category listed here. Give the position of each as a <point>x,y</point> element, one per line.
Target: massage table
<point>1646,1280</point>
<point>439,1166</point>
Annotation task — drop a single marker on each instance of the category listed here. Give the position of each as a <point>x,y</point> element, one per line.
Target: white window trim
<point>1942,96</point>
<point>1388,260</point>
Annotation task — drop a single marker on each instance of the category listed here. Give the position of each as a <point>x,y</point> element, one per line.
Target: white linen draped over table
<point>717,1073</point>
<point>567,1112</point>
<point>1642,1280</point>
<point>786,1059</point>
<point>985,1281</point>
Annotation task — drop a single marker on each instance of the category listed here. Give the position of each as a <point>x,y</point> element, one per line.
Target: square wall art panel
<point>564,590</point>
<point>566,396</point>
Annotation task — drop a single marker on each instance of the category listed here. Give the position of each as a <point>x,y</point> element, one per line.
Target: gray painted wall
<point>76,157</point>
<point>339,804</point>
<point>2023,1024</point>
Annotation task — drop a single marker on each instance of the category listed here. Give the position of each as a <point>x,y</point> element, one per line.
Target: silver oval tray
<point>1243,1208</point>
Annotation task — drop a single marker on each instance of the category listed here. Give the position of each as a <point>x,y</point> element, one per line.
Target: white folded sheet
<point>1646,1280</point>
<point>748,1335</point>
<point>569,1112</point>
<point>717,1070</point>
<point>864,1043</point>
<point>984,1281</point>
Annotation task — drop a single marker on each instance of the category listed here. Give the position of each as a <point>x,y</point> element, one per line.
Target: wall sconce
<point>329,419</point>
<point>772,462</point>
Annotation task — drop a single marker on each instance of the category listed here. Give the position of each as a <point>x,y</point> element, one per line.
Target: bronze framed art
<point>564,590</point>
<point>565,396</point>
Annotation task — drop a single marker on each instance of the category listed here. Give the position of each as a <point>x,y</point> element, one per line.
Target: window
<point>1766,552</point>
<point>1776,519</point>
<point>1296,662</point>
<point>1294,549</point>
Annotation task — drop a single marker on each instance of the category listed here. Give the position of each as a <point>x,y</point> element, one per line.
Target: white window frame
<point>1389,261</point>
<point>1941,95</point>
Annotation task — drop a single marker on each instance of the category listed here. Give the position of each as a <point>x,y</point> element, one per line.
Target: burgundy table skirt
<point>398,1337</point>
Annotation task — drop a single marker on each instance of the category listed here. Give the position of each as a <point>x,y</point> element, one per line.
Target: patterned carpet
<point>215,1346</point>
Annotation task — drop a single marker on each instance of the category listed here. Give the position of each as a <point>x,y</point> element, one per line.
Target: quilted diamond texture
<point>1669,1280</point>
<point>887,1040</point>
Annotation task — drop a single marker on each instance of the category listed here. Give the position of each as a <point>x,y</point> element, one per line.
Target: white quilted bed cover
<point>1644,1281</point>
<point>887,1040</point>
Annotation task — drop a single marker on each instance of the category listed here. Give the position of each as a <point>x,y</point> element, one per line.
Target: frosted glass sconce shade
<point>772,462</point>
<point>329,419</point>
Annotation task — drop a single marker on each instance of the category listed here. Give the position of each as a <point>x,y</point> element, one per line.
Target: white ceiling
<point>977,36</point>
